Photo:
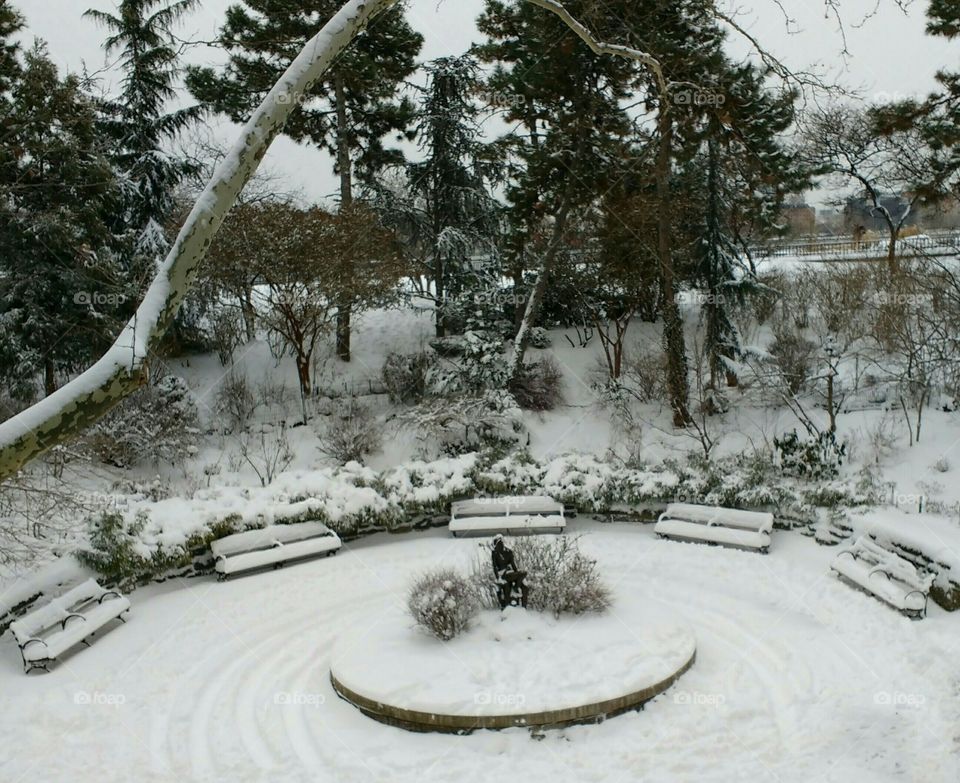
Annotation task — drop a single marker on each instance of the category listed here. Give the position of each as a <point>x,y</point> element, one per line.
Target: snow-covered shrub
<point>406,376</point>
<point>158,422</point>
<point>490,422</point>
<point>562,580</point>
<point>351,433</point>
<point>114,548</point>
<point>539,338</point>
<point>539,385</point>
<point>235,401</point>
<point>443,603</point>
<point>813,458</point>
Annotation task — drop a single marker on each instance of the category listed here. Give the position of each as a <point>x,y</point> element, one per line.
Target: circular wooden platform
<point>538,673</point>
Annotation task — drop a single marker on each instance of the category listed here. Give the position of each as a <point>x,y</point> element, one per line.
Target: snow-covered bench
<point>66,621</point>
<point>509,515</point>
<point>273,545</point>
<point>716,525</point>
<point>886,575</point>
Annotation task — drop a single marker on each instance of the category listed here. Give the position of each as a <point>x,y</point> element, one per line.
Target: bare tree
<point>842,141</point>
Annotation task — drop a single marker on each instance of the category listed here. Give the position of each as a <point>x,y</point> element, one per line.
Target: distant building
<point>799,219</point>
<point>860,216</point>
<point>830,221</point>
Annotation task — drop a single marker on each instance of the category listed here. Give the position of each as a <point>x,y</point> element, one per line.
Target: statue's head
<point>498,541</point>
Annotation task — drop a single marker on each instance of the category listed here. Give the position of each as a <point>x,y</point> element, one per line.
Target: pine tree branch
<point>599,47</point>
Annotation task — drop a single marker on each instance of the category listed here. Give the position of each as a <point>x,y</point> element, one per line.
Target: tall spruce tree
<point>60,288</point>
<point>443,205</point>
<point>349,112</point>
<point>138,122</point>
<point>742,169</point>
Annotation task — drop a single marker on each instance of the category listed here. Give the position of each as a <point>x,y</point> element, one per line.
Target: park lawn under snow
<point>798,678</point>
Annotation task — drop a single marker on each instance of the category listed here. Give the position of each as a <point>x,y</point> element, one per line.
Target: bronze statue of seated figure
<point>511,589</point>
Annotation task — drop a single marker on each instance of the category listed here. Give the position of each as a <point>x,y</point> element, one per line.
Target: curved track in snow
<point>798,678</point>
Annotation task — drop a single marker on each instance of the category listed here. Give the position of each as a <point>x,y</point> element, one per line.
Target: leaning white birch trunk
<point>125,367</point>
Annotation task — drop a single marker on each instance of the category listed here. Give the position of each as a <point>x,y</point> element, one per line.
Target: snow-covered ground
<point>798,678</point>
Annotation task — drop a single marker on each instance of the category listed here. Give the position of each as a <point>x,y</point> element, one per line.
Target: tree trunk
<point>536,294</point>
<point>441,292</point>
<point>303,375</point>
<point>678,388</point>
<point>892,264</point>
<point>49,377</point>
<point>124,368</point>
<point>345,166</point>
<point>249,316</point>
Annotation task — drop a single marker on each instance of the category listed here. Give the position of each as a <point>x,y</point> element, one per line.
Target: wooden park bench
<point>507,515</point>
<point>273,546</point>
<point>885,575</point>
<point>66,621</point>
<point>715,525</point>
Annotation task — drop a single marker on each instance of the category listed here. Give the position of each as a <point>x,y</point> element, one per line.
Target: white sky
<point>890,56</point>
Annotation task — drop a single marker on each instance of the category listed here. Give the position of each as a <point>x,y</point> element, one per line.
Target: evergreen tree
<point>11,23</point>
<point>567,101</point>
<point>938,117</point>
<point>349,112</point>
<point>443,206</point>
<point>59,291</point>
<point>745,171</point>
<point>137,121</point>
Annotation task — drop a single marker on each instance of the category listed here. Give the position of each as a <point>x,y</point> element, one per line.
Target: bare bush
<point>560,577</point>
<point>645,375</point>
<point>351,434</point>
<point>443,603</point>
<point>235,402</point>
<point>406,376</point>
<point>268,452</point>
<point>228,332</point>
<point>539,385</point>
<point>794,355</point>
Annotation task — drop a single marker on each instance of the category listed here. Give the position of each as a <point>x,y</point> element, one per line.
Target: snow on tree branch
<point>599,47</point>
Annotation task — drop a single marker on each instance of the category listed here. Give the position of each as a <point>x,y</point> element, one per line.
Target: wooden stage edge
<point>462,724</point>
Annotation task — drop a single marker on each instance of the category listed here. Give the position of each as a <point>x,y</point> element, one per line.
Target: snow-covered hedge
<point>147,536</point>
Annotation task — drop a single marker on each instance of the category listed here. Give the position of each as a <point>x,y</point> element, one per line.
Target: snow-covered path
<point>798,678</point>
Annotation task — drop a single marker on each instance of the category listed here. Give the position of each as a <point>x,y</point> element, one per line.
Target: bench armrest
<point>63,623</point>
<point>108,594</point>
<point>32,641</point>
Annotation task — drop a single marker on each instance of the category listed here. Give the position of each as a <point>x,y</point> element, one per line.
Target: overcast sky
<point>889,54</point>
